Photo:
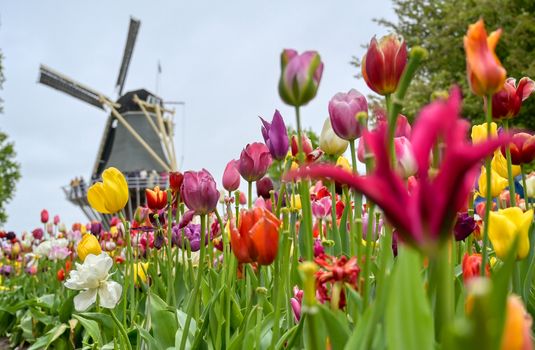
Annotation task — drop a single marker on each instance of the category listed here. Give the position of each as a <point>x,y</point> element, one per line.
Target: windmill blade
<point>69,86</point>
<point>127,55</point>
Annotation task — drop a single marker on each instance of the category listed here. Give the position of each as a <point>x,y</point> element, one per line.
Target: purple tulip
<point>231,176</point>
<point>300,76</point>
<point>343,110</point>
<point>464,226</point>
<point>263,187</point>
<point>191,232</point>
<point>276,136</point>
<point>96,228</point>
<point>255,160</point>
<point>199,191</point>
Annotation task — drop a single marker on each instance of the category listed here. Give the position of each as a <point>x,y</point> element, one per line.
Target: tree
<point>9,168</point>
<point>439,26</point>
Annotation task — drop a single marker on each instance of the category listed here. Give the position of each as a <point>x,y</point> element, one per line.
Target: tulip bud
<point>156,199</point>
<point>263,187</point>
<point>255,160</point>
<point>56,220</point>
<point>300,76</point>
<point>506,103</point>
<point>231,176</point>
<point>199,191</point>
<point>276,136</point>
<point>61,274</point>
<point>50,228</point>
<point>88,245</point>
<point>405,157</point>
<point>305,143</point>
<point>175,180</point>
<point>383,63</point>
<point>44,216</point>
<point>330,143</point>
<point>343,111</point>
<point>38,233</point>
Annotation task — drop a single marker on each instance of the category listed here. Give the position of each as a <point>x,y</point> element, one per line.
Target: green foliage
<point>439,26</point>
<point>9,169</point>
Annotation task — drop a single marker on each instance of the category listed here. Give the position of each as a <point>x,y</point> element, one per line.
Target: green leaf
<point>150,341</point>
<point>164,323</point>
<point>45,341</point>
<point>91,327</point>
<point>337,327</point>
<point>409,323</point>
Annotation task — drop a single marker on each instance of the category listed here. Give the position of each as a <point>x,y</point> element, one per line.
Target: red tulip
<point>44,216</point>
<point>257,237</point>
<point>305,143</point>
<point>156,199</point>
<point>426,214</point>
<point>522,148</point>
<point>472,267</point>
<point>506,103</point>
<point>263,187</point>
<point>175,180</point>
<point>383,63</point>
<point>231,176</point>
<point>255,160</point>
<point>61,274</point>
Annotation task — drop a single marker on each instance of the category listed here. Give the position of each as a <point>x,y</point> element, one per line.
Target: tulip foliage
<point>425,242</point>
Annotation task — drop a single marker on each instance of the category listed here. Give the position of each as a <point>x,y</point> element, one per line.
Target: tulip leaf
<point>150,341</point>
<point>409,322</point>
<point>164,323</point>
<point>336,324</point>
<point>47,339</point>
<point>91,327</point>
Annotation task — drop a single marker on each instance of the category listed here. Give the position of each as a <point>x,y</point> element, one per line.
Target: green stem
<point>512,192</point>
<point>441,289</point>
<point>300,155</point>
<point>122,330</point>
<point>524,185</point>
<point>335,234</point>
<point>249,194</point>
<point>129,277</point>
<point>488,195</point>
<point>357,202</point>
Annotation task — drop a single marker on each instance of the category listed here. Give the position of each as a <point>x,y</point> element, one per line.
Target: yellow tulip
<point>295,202</point>
<point>499,165</point>
<point>517,328</point>
<point>88,245</point>
<point>498,183</point>
<point>343,163</point>
<point>479,132</point>
<point>505,225</point>
<point>140,272</point>
<point>330,143</point>
<point>111,195</point>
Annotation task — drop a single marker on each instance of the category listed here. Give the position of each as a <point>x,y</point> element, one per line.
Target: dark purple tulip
<point>343,110</point>
<point>255,160</point>
<point>38,233</point>
<point>11,235</point>
<point>276,136</point>
<point>6,270</point>
<point>464,226</point>
<point>263,186</point>
<point>96,228</point>
<point>199,191</point>
<point>158,241</point>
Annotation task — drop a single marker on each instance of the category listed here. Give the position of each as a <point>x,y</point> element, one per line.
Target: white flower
<point>530,186</point>
<point>92,277</point>
<point>43,249</point>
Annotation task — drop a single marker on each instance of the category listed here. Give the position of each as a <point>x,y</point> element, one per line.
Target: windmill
<point>137,138</point>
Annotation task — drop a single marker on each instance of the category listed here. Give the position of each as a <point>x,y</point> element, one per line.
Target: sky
<point>222,58</point>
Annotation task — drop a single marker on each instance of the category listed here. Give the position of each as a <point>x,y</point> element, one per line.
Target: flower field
<point>421,238</point>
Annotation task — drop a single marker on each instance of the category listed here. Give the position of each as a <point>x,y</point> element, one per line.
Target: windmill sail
<point>127,55</point>
<point>60,82</point>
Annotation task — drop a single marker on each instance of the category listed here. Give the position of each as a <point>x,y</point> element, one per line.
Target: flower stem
<point>300,155</point>
<point>524,185</point>
<point>122,330</point>
<point>249,194</point>
<point>357,202</point>
<point>488,195</point>
<point>512,192</point>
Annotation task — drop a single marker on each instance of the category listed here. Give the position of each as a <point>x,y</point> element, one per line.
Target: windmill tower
<point>137,138</point>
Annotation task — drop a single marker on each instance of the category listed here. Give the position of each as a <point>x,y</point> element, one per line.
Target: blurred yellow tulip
<point>343,163</point>
<point>479,132</point>
<point>295,202</point>
<point>89,244</point>
<point>498,183</point>
<point>505,225</point>
<point>499,165</point>
<point>111,195</point>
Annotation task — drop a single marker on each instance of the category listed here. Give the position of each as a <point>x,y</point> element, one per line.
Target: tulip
<point>61,274</point>
<point>276,136</point>
<point>485,73</point>
<point>255,160</point>
<point>296,302</point>
<point>300,76</point>
<point>506,103</point>
<point>343,111</point>
<point>199,191</point>
<point>88,245</point>
<point>330,143</point>
<point>383,64</point>
<point>343,162</point>
<point>408,211</point>
<point>530,187</point>
<point>175,180</point>
<point>472,267</point>
<point>140,271</point>
<point>305,143</point>
<point>156,199</point>
<point>111,195</point>
<point>96,228</point>
<point>479,132</point>
<point>507,224</point>
<point>406,163</point>
<point>522,148</point>
<point>256,239</point>
<point>192,233</point>
<point>38,233</point>
<point>403,127</point>
<point>92,278</point>
<point>517,328</point>
<point>44,216</point>
<point>263,187</point>
<point>321,208</point>
<point>464,226</point>
<point>498,183</point>
<point>499,165</point>
<point>56,220</point>
<point>231,176</point>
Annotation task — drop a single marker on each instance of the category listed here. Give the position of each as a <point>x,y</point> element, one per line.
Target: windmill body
<point>137,138</point>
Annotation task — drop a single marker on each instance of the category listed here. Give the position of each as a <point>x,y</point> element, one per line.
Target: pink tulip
<point>56,220</point>
<point>321,208</point>
<point>406,164</point>
<point>300,76</point>
<point>343,110</point>
<point>255,160</point>
<point>231,176</point>
<point>199,191</point>
<point>44,216</point>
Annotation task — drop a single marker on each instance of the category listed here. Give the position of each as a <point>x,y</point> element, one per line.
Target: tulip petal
<point>96,198</point>
<point>109,293</point>
<point>85,299</point>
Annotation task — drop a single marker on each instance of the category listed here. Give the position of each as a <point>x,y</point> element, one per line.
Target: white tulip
<point>530,184</point>
<point>92,277</point>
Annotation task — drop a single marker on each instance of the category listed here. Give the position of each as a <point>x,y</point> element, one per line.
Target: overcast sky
<point>220,57</point>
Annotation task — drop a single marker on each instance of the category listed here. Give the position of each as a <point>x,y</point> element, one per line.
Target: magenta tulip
<point>276,136</point>
<point>44,216</point>
<point>343,110</point>
<point>255,160</point>
<point>199,191</point>
<point>425,216</point>
<point>506,103</point>
<point>231,176</point>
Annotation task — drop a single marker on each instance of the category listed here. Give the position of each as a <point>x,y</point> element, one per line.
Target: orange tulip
<point>156,199</point>
<point>485,72</point>
<point>257,237</point>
